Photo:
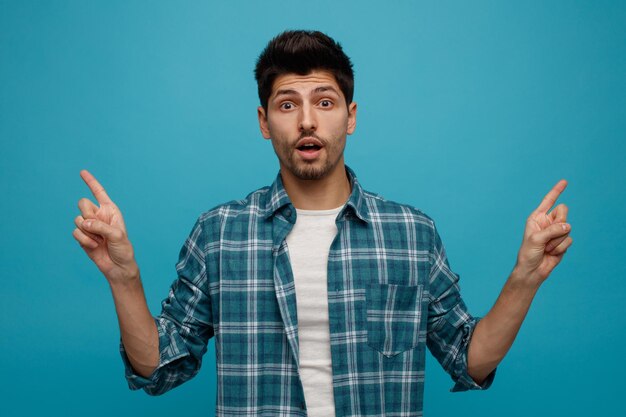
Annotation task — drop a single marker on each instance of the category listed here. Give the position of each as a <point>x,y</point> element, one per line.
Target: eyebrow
<point>321,89</point>
<point>285,93</point>
<point>325,88</point>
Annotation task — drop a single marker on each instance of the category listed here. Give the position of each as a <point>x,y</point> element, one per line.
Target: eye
<point>326,103</point>
<point>286,106</point>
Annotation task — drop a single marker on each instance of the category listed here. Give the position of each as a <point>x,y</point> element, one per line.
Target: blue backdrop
<point>470,111</point>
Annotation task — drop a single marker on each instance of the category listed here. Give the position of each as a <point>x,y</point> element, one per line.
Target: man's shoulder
<point>251,205</point>
<point>383,210</point>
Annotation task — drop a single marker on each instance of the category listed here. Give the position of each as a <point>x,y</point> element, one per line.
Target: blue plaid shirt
<point>391,293</point>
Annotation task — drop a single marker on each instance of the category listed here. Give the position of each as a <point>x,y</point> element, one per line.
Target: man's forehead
<point>305,83</point>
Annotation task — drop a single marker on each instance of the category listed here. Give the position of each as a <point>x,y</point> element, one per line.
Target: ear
<point>351,118</point>
<point>262,115</point>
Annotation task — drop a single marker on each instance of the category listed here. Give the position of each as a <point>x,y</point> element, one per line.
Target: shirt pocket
<point>393,317</point>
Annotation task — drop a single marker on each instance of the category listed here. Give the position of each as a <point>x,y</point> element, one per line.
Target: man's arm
<point>101,233</point>
<point>137,327</point>
<point>546,239</point>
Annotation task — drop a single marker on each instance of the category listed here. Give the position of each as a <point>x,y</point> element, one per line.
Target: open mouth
<point>309,147</point>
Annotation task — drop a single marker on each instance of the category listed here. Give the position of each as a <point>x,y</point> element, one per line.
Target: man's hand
<point>546,239</point>
<point>101,232</point>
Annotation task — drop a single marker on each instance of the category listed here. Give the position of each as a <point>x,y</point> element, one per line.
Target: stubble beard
<point>310,170</point>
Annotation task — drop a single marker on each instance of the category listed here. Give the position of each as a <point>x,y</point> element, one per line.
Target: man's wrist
<point>523,279</point>
<point>131,280</point>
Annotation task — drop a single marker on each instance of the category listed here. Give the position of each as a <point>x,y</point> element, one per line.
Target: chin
<point>313,171</point>
<point>310,173</point>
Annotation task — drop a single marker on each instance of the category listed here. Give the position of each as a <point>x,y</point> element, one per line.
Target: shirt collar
<point>277,198</point>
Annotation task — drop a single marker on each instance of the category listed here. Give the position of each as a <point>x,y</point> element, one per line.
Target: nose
<point>307,118</point>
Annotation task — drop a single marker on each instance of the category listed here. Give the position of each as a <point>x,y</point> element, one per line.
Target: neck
<point>326,193</point>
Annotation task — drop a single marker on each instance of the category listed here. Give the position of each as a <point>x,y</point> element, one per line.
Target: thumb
<point>103,229</point>
<point>556,230</point>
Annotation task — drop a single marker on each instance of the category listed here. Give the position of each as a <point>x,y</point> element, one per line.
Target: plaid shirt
<point>391,293</point>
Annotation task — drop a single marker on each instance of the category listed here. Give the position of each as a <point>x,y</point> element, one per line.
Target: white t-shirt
<point>308,244</point>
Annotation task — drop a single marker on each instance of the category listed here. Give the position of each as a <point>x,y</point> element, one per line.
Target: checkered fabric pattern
<point>391,293</point>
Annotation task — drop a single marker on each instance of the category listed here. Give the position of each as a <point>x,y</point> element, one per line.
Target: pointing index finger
<point>96,189</point>
<point>550,198</point>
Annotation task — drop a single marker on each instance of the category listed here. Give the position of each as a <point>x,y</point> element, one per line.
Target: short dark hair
<point>301,52</point>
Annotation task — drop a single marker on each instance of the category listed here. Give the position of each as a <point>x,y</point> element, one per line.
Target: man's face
<point>307,121</point>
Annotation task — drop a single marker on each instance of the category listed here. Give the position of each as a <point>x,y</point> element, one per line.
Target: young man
<point>321,296</point>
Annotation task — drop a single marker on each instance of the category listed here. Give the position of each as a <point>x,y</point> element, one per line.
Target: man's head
<point>301,52</point>
<point>305,86</point>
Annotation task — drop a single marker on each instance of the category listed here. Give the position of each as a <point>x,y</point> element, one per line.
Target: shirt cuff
<point>464,381</point>
<point>171,348</point>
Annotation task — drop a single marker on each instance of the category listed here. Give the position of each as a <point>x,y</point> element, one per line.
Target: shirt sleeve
<point>450,325</point>
<point>185,324</point>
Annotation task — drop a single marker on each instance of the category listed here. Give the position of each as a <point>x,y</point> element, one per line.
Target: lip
<point>309,155</point>
<point>308,140</point>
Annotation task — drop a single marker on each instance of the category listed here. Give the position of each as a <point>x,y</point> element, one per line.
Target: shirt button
<point>288,213</point>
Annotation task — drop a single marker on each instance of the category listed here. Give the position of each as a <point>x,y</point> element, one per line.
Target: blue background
<point>470,111</point>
